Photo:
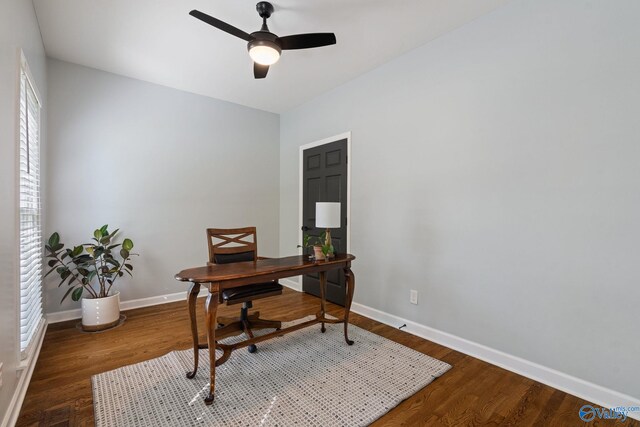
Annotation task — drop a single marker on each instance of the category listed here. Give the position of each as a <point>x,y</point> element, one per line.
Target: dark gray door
<point>324,177</point>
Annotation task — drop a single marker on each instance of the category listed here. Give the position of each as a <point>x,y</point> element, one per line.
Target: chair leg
<point>244,311</point>
<point>244,318</point>
<point>227,320</point>
<point>247,330</point>
<point>229,330</point>
<point>253,321</point>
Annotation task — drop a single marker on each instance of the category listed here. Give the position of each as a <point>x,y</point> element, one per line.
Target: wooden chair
<point>227,245</point>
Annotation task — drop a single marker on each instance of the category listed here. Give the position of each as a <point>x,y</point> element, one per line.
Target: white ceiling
<point>157,41</point>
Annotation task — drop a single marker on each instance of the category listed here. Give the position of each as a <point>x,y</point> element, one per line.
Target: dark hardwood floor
<point>471,393</point>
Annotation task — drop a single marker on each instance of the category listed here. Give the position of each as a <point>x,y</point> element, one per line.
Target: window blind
<point>31,250</point>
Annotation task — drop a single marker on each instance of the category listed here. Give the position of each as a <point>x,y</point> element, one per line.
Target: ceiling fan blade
<point>260,71</point>
<point>221,25</point>
<point>306,41</point>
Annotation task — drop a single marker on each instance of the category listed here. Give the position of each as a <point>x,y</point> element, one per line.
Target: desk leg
<point>211,314</point>
<point>191,301</point>
<point>351,284</point>
<point>323,289</point>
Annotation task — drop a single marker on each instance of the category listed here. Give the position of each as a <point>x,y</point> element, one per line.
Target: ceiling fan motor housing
<point>264,38</point>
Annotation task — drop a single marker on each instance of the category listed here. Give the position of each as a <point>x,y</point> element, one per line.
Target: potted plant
<point>321,248</point>
<point>306,244</point>
<point>324,247</point>
<point>93,269</point>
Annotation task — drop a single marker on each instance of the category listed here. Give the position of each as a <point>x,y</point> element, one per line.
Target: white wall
<point>162,165</point>
<point>18,29</point>
<point>496,171</point>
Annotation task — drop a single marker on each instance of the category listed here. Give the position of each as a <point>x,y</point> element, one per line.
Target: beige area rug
<point>305,378</point>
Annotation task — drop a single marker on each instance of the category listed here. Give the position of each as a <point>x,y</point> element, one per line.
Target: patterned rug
<point>305,378</point>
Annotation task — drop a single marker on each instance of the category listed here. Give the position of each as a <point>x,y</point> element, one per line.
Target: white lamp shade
<point>328,215</point>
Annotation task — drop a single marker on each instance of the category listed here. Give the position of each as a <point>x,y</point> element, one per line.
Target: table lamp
<point>328,216</point>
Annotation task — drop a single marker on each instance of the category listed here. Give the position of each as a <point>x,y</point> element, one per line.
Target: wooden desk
<point>224,276</point>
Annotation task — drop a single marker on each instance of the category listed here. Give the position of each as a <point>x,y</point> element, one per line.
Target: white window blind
<point>31,250</point>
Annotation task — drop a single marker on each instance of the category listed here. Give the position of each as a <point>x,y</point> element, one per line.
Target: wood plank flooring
<point>472,393</point>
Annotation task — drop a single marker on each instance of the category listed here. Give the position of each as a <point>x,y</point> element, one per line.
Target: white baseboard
<point>291,283</point>
<point>13,411</point>
<point>591,392</point>
<point>62,316</point>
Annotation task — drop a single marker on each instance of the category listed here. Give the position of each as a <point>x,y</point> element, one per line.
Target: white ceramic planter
<point>100,313</point>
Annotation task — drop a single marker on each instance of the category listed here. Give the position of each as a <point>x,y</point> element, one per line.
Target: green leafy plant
<point>327,248</point>
<point>320,241</point>
<point>88,263</point>
<point>306,242</point>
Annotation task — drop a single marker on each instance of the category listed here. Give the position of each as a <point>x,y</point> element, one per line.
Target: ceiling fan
<point>264,46</point>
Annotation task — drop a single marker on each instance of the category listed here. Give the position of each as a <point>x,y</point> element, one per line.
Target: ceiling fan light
<point>264,52</point>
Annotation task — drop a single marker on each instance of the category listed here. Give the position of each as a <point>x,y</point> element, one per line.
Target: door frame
<point>347,136</point>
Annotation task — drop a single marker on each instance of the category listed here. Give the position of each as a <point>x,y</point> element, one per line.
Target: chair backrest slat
<point>228,245</point>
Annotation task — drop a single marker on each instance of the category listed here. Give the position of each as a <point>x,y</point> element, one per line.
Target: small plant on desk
<point>322,249</point>
<point>325,246</point>
<point>306,244</point>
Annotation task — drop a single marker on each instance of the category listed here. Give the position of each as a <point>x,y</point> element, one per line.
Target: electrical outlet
<point>413,296</point>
